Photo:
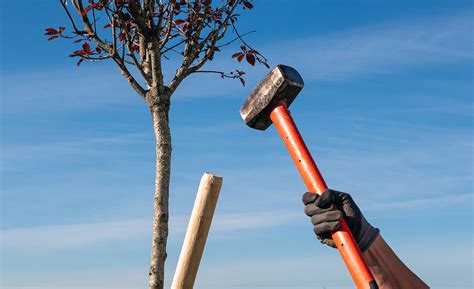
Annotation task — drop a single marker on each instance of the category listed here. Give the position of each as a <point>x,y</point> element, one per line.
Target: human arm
<point>388,270</point>
<point>326,212</point>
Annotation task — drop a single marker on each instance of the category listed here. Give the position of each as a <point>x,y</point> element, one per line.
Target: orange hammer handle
<point>343,238</point>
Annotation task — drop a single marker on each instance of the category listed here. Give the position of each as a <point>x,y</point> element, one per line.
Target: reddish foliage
<point>86,48</point>
<point>179,20</point>
<point>250,58</point>
<point>239,56</point>
<point>97,6</point>
<point>251,55</point>
<point>248,4</point>
<point>54,33</point>
<point>86,52</point>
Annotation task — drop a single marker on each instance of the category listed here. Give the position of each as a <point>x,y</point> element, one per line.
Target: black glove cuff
<point>367,235</point>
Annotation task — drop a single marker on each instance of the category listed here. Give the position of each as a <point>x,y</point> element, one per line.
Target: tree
<point>140,33</point>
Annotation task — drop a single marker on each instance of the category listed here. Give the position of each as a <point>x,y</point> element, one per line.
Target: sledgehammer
<point>269,104</point>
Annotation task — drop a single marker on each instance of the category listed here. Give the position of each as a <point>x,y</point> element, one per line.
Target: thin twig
<point>73,23</point>
<point>236,38</point>
<point>245,43</point>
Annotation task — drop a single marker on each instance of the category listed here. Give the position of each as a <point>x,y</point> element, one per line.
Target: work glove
<point>326,211</point>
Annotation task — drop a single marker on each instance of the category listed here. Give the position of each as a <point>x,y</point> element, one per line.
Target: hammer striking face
<point>282,84</point>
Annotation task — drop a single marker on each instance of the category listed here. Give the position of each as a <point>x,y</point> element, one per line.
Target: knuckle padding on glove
<point>330,216</point>
<point>309,198</point>
<point>326,227</point>
<point>312,209</point>
<point>326,199</point>
<point>319,210</point>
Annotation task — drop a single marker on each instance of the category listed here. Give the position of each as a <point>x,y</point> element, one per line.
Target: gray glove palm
<point>326,212</point>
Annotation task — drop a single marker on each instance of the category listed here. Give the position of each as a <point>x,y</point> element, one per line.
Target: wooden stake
<point>196,234</point>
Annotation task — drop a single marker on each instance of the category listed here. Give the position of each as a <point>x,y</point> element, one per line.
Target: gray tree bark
<point>159,107</point>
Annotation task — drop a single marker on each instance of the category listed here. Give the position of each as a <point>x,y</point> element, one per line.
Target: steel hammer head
<point>282,84</point>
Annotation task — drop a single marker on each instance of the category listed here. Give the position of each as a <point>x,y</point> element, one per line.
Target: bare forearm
<point>389,271</point>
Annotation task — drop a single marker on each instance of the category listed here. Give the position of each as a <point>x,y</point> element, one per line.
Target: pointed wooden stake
<point>196,234</point>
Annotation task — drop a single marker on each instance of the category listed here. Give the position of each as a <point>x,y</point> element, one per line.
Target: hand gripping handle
<point>343,238</point>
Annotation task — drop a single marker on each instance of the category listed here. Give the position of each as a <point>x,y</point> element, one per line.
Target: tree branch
<point>240,37</point>
<point>73,23</point>
<point>172,47</point>
<point>128,76</point>
<point>168,31</point>
<point>90,33</point>
<point>236,38</point>
<point>213,36</point>
<point>137,65</point>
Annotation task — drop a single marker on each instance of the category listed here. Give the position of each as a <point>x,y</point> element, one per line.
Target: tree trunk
<point>159,108</point>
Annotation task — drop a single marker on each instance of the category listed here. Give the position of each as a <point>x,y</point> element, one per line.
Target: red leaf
<point>77,53</point>
<point>244,49</point>
<point>78,40</point>
<point>107,25</point>
<point>80,61</point>
<point>242,80</point>
<point>53,37</point>
<point>248,5</point>
<point>86,47</point>
<point>250,58</point>
<point>84,12</point>
<point>51,31</point>
<point>179,21</point>
<point>241,56</point>
<point>236,54</point>
<point>88,8</point>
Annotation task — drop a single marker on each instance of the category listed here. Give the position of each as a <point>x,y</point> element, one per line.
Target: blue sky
<point>386,110</point>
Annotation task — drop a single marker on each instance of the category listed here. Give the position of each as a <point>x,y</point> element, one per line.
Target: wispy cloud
<point>406,204</point>
<point>60,89</point>
<point>71,236</point>
<point>382,48</point>
<point>400,169</point>
<point>71,147</point>
<point>302,270</point>
<point>74,236</point>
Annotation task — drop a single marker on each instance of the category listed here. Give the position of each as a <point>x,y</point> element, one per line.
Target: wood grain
<point>196,234</point>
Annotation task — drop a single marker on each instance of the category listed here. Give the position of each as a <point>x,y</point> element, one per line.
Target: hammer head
<point>282,84</point>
